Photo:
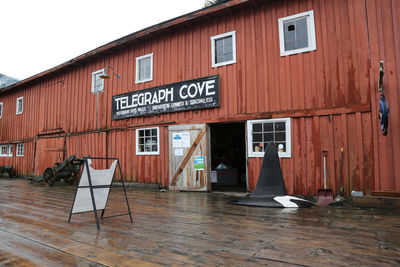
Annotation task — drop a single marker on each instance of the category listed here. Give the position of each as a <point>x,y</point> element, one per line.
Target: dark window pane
<point>219,51</point>
<point>290,45</point>
<point>257,128</point>
<point>296,34</point>
<point>228,57</point>
<point>146,74</point>
<point>219,59</point>
<point>223,49</point>
<point>268,137</point>
<point>228,41</point>
<point>302,43</point>
<point>219,43</point>
<point>265,145</point>
<point>228,49</point>
<point>154,132</point>
<point>141,148</point>
<point>141,141</point>
<point>280,136</point>
<point>154,140</point>
<point>301,25</point>
<point>257,137</point>
<point>144,68</point>
<point>268,127</point>
<point>288,26</point>
<point>147,66</point>
<point>290,36</point>
<point>147,132</point>
<point>280,126</point>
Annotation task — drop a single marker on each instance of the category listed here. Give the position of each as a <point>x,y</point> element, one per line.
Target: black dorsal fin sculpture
<point>270,189</point>
<point>270,181</point>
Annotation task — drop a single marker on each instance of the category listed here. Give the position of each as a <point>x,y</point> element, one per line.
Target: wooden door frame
<point>246,147</point>
<point>246,138</point>
<point>61,149</point>
<point>175,175</point>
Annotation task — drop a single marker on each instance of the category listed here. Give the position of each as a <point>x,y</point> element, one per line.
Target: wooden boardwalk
<point>187,229</point>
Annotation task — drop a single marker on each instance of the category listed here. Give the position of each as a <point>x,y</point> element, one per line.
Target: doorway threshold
<point>231,193</point>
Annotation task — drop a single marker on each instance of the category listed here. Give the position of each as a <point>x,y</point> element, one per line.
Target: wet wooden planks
<point>188,229</point>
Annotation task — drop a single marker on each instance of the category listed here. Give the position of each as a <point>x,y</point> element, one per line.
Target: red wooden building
<point>214,86</point>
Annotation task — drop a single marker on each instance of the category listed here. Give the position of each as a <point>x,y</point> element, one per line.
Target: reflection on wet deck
<point>192,229</point>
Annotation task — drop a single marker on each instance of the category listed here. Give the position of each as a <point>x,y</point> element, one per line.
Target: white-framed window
<point>97,82</point>
<point>297,33</point>
<point>1,109</point>
<point>20,105</point>
<point>144,68</point>
<point>148,141</point>
<point>261,132</point>
<point>223,49</point>
<point>5,150</point>
<point>20,150</point>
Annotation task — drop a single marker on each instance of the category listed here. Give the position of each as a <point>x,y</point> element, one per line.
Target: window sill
<point>261,154</point>
<point>147,153</point>
<point>143,81</point>
<point>297,51</point>
<point>223,63</point>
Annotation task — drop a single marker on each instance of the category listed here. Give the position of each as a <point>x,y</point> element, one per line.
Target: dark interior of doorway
<point>228,156</point>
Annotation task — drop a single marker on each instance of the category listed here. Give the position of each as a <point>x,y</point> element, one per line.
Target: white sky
<point>36,35</point>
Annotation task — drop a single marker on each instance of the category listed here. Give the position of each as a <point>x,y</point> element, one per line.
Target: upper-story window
<point>297,33</point>
<point>1,109</point>
<point>20,105</point>
<point>97,82</point>
<point>144,68</point>
<point>5,150</point>
<point>223,49</point>
<point>20,149</point>
<point>261,132</point>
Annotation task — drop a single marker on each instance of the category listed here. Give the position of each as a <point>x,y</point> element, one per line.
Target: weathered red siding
<point>303,172</point>
<point>384,29</point>
<point>326,92</point>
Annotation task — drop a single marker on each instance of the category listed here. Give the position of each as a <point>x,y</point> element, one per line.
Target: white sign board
<point>178,152</point>
<point>181,139</point>
<point>83,199</point>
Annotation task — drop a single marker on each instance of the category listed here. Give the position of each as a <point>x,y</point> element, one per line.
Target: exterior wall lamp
<point>105,76</point>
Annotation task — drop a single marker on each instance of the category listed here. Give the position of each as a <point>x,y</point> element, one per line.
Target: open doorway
<point>228,157</point>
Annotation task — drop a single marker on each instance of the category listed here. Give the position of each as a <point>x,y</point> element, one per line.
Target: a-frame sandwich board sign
<point>94,189</point>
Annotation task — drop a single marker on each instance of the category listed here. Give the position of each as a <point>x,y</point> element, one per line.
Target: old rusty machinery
<point>67,170</point>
